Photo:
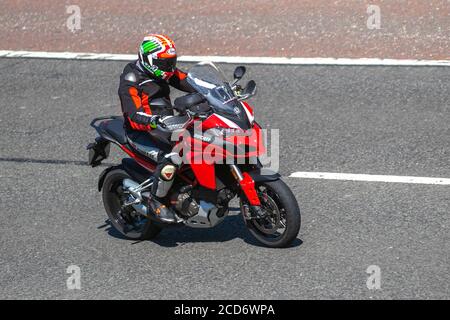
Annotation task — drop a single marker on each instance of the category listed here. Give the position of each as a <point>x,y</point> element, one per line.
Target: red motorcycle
<point>214,145</point>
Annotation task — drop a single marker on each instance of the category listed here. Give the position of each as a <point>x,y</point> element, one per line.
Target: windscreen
<point>209,81</point>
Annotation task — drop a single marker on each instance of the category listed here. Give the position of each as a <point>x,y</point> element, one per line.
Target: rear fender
<point>101,177</point>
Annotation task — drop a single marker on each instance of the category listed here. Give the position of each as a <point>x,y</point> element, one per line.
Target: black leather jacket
<point>137,89</point>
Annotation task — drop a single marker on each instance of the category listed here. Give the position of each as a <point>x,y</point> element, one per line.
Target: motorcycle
<point>214,158</point>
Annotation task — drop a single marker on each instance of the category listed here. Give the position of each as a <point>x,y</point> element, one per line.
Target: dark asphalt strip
<point>378,120</point>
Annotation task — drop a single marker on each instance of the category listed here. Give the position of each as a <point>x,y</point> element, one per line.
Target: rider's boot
<point>164,176</point>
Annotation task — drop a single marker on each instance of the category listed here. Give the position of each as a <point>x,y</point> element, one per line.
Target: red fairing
<point>205,174</point>
<point>248,111</point>
<point>215,120</point>
<point>204,171</point>
<point>254,140</point>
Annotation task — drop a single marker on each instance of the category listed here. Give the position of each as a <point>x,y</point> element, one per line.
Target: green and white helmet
<point>157,54</point>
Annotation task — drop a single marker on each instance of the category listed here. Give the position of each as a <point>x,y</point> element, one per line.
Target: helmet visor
<point>166,64</point>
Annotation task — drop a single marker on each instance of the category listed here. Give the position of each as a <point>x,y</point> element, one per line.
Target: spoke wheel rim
<point>128,219</point>
<point>273,226</point>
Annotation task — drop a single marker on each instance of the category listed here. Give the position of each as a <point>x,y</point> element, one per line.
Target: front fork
<point>247,185</point>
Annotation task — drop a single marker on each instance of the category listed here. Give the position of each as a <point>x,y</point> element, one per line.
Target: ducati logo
<point>236,110</point>
<point>167,173</point>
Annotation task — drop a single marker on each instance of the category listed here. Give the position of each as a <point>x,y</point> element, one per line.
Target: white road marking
<point>66,55</point>
<point>370,178</point>
<point>230,59</point>
<point>317,61</point>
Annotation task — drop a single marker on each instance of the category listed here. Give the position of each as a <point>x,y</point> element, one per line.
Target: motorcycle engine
<point>185,205</point>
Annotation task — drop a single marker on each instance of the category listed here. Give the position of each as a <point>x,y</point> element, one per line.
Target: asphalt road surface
<point>379,120</point>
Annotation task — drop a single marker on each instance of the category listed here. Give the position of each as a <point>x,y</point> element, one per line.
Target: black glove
<point>145,119</point>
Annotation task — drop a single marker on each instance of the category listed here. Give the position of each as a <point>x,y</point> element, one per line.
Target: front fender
<point>262,175</point>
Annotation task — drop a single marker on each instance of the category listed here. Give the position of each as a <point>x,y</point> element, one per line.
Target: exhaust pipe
<point>136,193</point>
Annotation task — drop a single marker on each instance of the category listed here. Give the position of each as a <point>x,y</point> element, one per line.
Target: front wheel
<point>281,220</point>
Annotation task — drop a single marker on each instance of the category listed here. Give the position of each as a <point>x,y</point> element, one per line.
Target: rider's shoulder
<point>129,73</point>
<point>130,76</point>
<point>132,73</point>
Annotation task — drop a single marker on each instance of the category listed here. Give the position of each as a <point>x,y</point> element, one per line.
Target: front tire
<point>127,221</point>
<point>282,223</point>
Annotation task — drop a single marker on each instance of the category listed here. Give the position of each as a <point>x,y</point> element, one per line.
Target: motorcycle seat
<point>114,128</point>
<point>143,143</point>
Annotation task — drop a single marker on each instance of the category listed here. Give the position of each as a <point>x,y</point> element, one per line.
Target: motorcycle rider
<point>144,80</point>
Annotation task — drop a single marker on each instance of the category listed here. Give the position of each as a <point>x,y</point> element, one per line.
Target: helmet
<point>158,56</point>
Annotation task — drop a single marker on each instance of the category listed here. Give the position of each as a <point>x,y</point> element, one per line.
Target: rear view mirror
<point>250,88</point>
<point>239,72</point>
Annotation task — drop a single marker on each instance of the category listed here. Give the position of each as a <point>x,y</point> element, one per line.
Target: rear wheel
<point>280,223</point>
<point>125,219</point>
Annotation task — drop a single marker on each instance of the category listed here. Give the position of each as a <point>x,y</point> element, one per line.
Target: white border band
<point>370,178</point>
<point>230,59</point>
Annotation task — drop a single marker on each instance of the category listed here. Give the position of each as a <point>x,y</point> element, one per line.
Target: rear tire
<point>286,214</point>
<point>129,224</point>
